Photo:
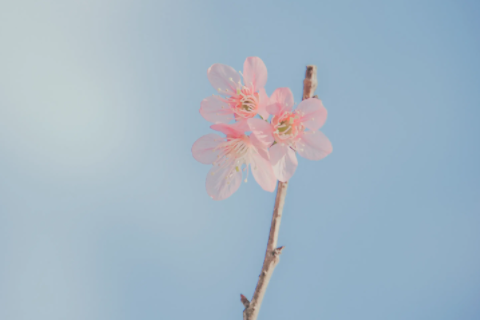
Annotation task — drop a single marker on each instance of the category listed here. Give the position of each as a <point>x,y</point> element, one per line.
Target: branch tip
<point>310,82</point>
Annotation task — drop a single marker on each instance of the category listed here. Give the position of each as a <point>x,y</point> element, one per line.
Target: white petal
<point>314,145</point>
<point>222,182</point>
<point>254,73</point>
<point>284,161</point>
<point>223,78</point>
<point>262,130</point>
<point>263,172</point>
<point>203,149</point>
<point>215,110</point>
<point>313,113</point>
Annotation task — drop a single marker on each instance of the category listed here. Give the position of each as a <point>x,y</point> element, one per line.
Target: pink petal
<point>284,161</point>
<point>263,172</point>
<point>223,78</point>
<point>233,130</point>
<point>222,182</point>
<point>263,132</point>
<point>274,109</point>
<point>215,110</point>
<point>284,97</point>
<point>264,101</point>
<point>313,113</point>
<point>314,145</point>
<point>254,73</point>
<point>203,149</point>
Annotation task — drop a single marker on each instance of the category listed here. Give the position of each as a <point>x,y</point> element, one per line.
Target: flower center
<point>287,126</point>
<point>248,104</point>
<point>244,103</point>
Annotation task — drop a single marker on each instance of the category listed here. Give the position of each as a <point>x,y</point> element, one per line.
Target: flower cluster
<point>265,145</point>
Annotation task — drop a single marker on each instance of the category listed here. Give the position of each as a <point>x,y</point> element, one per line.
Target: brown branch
<point>272,256</point>
<point>244,300</point>
<point>310,82</point>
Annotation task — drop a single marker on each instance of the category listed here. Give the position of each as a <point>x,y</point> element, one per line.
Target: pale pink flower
<point>289,129</point>
<point>238,101</point>
<point>233,154</point>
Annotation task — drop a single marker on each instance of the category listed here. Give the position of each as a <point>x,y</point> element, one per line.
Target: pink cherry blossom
<point>294,131</point>
<point>234,154</point>
<point>238,101</point>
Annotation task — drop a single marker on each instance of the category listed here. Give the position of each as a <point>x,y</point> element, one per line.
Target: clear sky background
<point>103,210</point>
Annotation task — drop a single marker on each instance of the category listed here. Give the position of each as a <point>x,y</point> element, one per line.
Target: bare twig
<point>310,82</point>
<point>272,256</point>
<point>244,300</point>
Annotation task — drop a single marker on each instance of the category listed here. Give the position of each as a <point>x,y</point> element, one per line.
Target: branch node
<point>278,251</point>
<point>245,301</point>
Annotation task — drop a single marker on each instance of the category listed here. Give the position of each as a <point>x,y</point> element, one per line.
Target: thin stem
<point>272,255</point>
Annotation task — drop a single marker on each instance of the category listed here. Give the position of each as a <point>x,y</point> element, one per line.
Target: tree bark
<point>272,256</point>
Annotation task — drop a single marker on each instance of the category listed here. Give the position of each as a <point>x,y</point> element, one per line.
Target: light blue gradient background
<point>103,210</point>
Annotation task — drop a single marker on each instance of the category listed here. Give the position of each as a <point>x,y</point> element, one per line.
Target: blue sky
<point>103,210</point>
